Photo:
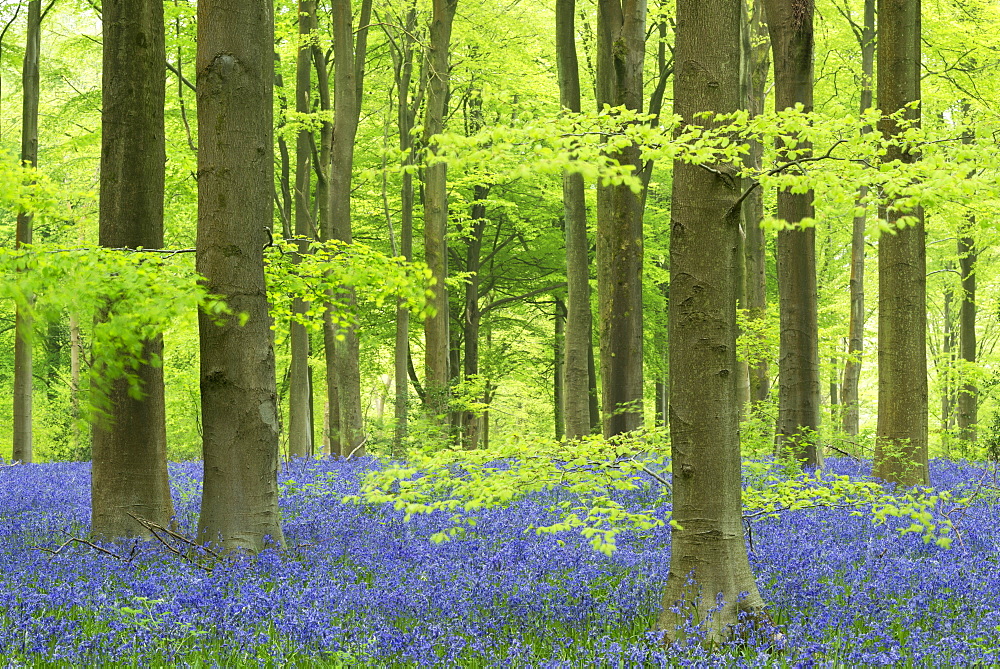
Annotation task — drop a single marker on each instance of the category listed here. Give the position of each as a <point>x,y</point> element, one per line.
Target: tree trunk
<point>129,474</point>
<point>790,23</point>
<point>968,394</point>
<point>576,400</point>
<point>239,507</point>
<point>559,365</point>
<point>405,116</point>
<point>856,328</point>
<point>436,354</point>
<point>75,349</point>
<point>348,64</point>
<point>621,42</point>
<point>757,50</point>
<point>709,548</point>
<point>901,444</point>
<point>23,325</point>
<point>299,416</point>
<point>472,316</point>
<point>946,368</point>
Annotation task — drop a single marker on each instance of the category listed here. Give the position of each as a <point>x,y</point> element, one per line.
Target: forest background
<point>506,226</point>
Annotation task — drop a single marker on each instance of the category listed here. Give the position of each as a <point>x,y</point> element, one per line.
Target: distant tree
<point>349,49</point>
<point>129,472</point>
<point>901,444</point>
<point>856,328</point>
<point>22,451</point>
<point>239,410</point>
<point>299,389</point>
<point>708,556</point>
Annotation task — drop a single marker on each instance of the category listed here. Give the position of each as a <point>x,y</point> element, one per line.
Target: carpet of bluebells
<point>358,587</point>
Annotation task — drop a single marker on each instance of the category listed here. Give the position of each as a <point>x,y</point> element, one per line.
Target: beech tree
<point>239,412</point>
<point>129,474</point>
<point>856,332</point>
<point>621,50</point>
<point>576,348</point>
<point>708,554</point>
<point>299,389</point>
<point>901,443</point>
<point>348,64</point>
<point>436,338</point>
<point>790,23</point>
<point>23,324</point>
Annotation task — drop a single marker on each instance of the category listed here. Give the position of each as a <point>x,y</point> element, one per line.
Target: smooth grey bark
<point>23,324</point>
<point>621,49</point>
<point>559,366</point>
<point>708,555</point>
<point>946,369</point>
<point>790,24</point>
<point>856,327</point>
<point>239,507</point>
<point>968,393</point>
<point>472,314</point>
<point>901,443</point>
<point>406,113</point>
<point>129,472</point>
<point>436,336</point>
<point>299,391</point>
<point>757,57</point>
<point>577,339</point>
<point>348,66</point>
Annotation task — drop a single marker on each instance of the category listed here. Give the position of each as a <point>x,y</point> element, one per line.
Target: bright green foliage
<point>319,278</point>
<point>582,477</point>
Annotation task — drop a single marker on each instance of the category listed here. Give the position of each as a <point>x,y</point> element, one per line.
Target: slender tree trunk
<point>790,23</point>
<point>75,348</point>
<point>348,64</point>
<point>129,474</point>
<point>23,325</point>
<point>405,115</point>
<point>621,42</point>
<point>708,556</point>
<point>757,47</point>
<point>559,365</point>
<point>472,316</point>
<point>856,329</point>
<point>577,342</point>
<point>436,355</point>
<point>239,506</point>
<point>901,444</point>
<point>968,394</point>
<point>593,392</point>
<point>283,199</point>
<point>299,392</point>
<point>947,371</point>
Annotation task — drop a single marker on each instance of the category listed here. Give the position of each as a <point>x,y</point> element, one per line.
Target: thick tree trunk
<point>239,507</point>
<point>621,48</point>
<point>129,474</point>
<point>968,394</point>
<point>790,23</point>
<point>348,64</point>
<point>576,400</point>
<point>23,325</point>
<point>901,445</point>
<point>757,55</point>
<point>299,392</point>
<point>856,328</point>
<point>708,556</point>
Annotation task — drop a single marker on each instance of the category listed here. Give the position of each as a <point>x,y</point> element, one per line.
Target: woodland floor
<point>358,587</point>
